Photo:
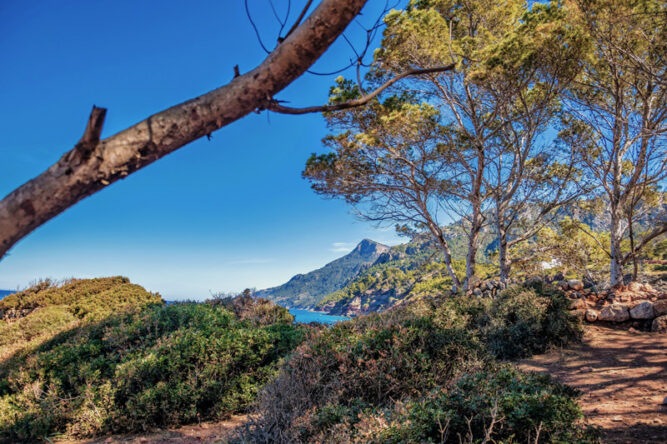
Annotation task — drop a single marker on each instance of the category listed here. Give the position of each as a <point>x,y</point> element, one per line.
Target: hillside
<point>308,290</point>
<point>99,356</point>
<point>35,315</point>
<point>305,290</point>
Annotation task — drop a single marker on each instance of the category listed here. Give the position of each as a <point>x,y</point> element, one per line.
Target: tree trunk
<point>616,266</point>
<point>93,164</point>
<point>635,270</point>
<point>503,258</point>
<point>444,246</point>
<point>473,241</point>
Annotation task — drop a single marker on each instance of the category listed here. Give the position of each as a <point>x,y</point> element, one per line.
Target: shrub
<point>524,320</point>
<point>160,366</point>
<point>87,299</point>
<point>499,405</point>
<point>257,310</point>
<point>377,377</point>
<point>49,309</point>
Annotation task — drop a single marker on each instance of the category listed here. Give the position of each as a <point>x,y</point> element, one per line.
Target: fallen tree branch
<point>275,106</point>
<point>94,164</point>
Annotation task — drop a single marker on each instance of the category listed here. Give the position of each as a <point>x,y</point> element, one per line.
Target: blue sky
<point>218,215</point>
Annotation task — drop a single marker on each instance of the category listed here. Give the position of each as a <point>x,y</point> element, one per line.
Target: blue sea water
<point>4,293</point>
<point>306,316</point>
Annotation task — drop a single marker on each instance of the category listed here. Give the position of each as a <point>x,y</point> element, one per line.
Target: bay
<point>307,316</point>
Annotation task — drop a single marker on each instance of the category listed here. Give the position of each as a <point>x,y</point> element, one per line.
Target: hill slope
<point>35,315</point>
<point>305,290</point>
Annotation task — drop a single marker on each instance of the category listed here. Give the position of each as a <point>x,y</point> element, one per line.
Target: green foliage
<point>40,322</point>
<point>522,321</point>
<point>86,299</point>
<point>513,406</point>
<point>413,276</point>
<point>47,309</point>
<point>159,366</point>
<point>389,377</point>
<point>305,290</point>
<point>576,246</point>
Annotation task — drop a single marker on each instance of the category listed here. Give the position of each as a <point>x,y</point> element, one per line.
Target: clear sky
<point>218,215</point>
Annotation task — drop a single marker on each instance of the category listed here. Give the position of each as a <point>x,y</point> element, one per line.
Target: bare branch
<point>71,178</point>
<point>273,105</point>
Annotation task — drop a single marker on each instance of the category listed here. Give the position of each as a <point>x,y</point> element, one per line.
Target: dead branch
<point>74,176</point>
<point>273,105</point>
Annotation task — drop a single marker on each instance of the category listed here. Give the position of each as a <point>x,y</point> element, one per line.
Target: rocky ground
<point>622,375</point>
<point>639,306</point>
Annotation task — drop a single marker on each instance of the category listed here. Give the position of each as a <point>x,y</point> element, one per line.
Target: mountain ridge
<point>304,290</point>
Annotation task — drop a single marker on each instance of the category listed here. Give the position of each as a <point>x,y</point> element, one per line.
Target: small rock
<point>477,292</point>
<point>614,313</point>
<point>575,284</point>
<point>659,324</point>
<point>591,315</point>
<point>586,369</point>
<point>648,288</point>
<point>624,297</point>
<point>643,310</point>
<point>579,304</point>
<point>635,287</point>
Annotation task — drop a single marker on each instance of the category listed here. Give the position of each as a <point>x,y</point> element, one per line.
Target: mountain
<point>305,290</point>
<point>406,271</point>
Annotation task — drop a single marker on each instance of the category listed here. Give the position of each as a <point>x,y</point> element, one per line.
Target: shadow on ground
<point>623,379</point>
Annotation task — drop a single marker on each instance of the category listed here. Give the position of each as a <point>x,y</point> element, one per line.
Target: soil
<point>203,433</point>
<point>622,376</point>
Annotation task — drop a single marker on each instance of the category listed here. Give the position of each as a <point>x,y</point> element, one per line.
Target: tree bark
<point>503,258</point>
<point>471,256</point>
<point>94,164</point>
<point>616,266</point>
<point>635,270</point>
<point>476,220</point>
<point>444,246</point>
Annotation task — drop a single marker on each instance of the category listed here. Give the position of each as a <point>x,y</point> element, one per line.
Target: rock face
<point>659,324</point>
<point>640,303</point>
<point>660,307</point>
<point>614,313</point>
<point>643,310</point>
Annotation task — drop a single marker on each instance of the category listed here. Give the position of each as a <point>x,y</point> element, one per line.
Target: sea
<point>307,316</point>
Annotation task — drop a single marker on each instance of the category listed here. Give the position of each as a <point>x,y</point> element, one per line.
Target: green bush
<point>160,366</point>
<point>353,381</point>
<point>524,320</point>
<point>504,403</point>
<point>46,310</point>
<point>87,299</point>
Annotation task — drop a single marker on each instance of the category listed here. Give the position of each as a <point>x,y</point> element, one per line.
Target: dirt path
<point>623,378</point>
<point>204,433</point>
